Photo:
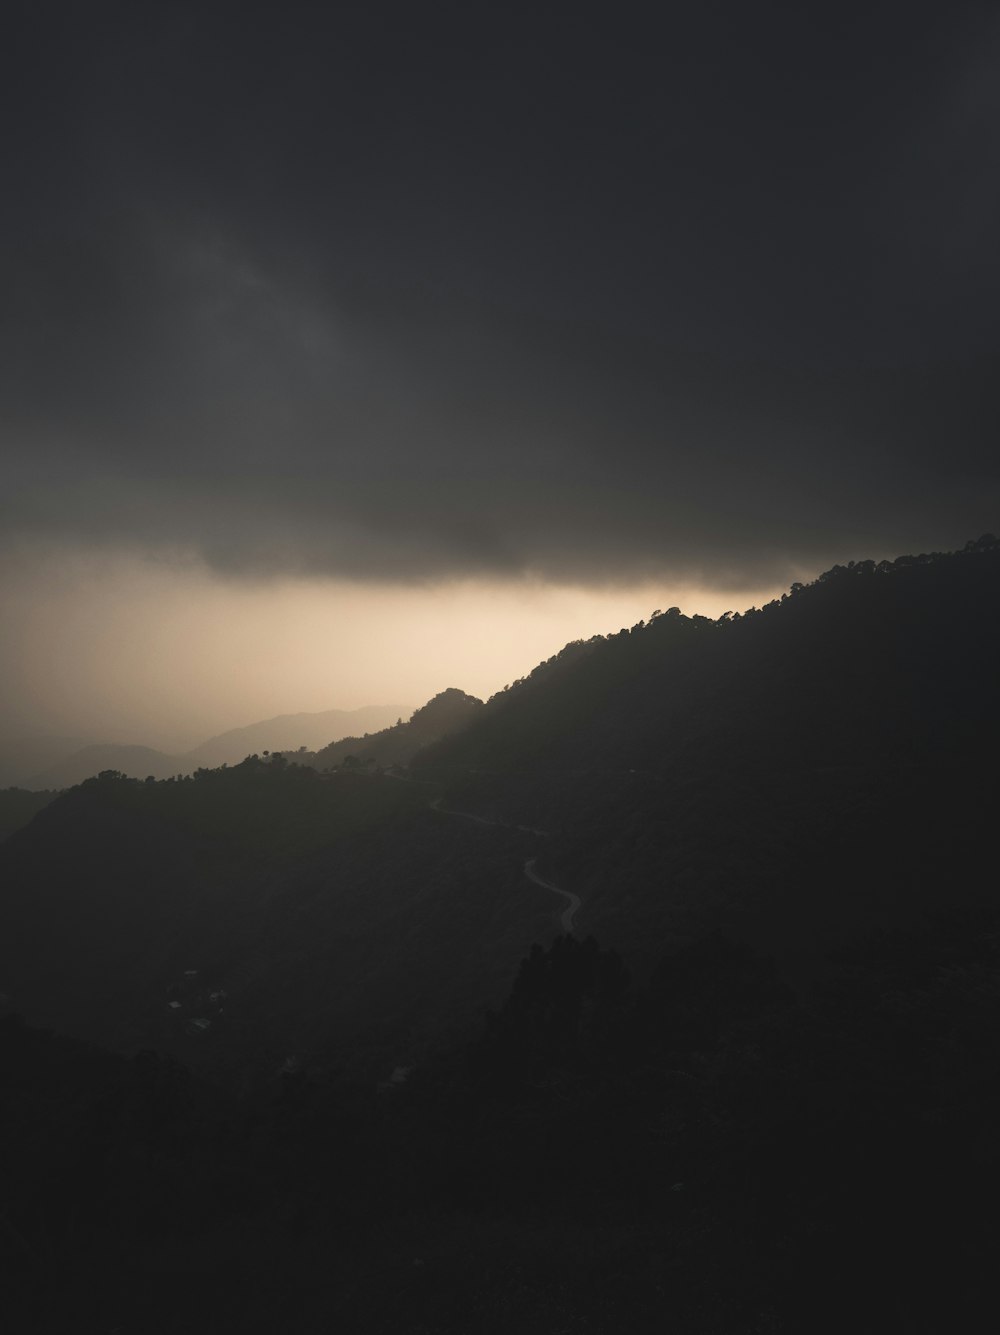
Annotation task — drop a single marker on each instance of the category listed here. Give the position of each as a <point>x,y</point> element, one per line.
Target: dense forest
<point>290,1046</point>
<point>824,761</point>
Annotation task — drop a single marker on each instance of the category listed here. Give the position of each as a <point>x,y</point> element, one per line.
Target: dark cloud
<point>406,291</point>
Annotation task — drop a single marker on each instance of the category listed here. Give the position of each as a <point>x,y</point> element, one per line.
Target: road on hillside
<point>568,914</point>
<point>566,919</point>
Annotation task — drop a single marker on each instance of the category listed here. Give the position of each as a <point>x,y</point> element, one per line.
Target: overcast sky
<point>305,301</point>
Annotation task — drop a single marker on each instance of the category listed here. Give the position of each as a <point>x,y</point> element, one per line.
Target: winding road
<point>566,918</point>
<point>568,914</point>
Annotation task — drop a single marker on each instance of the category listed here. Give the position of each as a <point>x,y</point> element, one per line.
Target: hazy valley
<point>38,763</point>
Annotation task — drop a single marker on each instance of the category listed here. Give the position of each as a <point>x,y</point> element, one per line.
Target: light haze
<point>123,649</point>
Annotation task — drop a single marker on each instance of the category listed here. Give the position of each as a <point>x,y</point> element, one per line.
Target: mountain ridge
<point>708,756</point>
<point>227,747</point>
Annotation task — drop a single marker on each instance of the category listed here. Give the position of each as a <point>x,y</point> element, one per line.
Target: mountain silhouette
<point>21,758</point>
<point>446,714</point>
<point>823,761</point>
<point>288,732</point>
<point>227,748</point>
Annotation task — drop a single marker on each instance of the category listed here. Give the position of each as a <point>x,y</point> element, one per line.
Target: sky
<point>349,352</point>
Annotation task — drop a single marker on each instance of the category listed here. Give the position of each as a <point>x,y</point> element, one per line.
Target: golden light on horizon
<point>134,650</point>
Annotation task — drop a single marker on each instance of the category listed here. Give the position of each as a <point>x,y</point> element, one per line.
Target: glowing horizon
<point>128,650</point>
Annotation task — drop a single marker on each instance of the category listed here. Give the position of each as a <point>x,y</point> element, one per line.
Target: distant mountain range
<point>40,763</point>
<point>21,758</point>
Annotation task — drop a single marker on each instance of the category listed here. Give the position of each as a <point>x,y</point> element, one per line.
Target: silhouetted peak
<point>450,702</point>
<point>446,713</point>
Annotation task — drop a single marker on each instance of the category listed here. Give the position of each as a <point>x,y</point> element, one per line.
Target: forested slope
<point>817,763</point>
<point>331,912</point>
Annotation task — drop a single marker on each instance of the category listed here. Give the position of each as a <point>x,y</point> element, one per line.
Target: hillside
<point>328,910</point>
<point>820,763</point>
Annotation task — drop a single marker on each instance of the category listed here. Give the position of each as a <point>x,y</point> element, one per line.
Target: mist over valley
<point>54,762</point>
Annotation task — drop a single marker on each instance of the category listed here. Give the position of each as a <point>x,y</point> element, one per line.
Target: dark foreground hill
<point>296,914</point>
<point>711,1154</point>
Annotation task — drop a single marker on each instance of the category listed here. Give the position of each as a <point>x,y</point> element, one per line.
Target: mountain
<point>23,757</point>
<point>446,714</point>
<point>285,731</point>
<point>821,764</point>
<point>269,880</point>
<point>339,910</point>
<point>291,732</point>
<point>138,761</point>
